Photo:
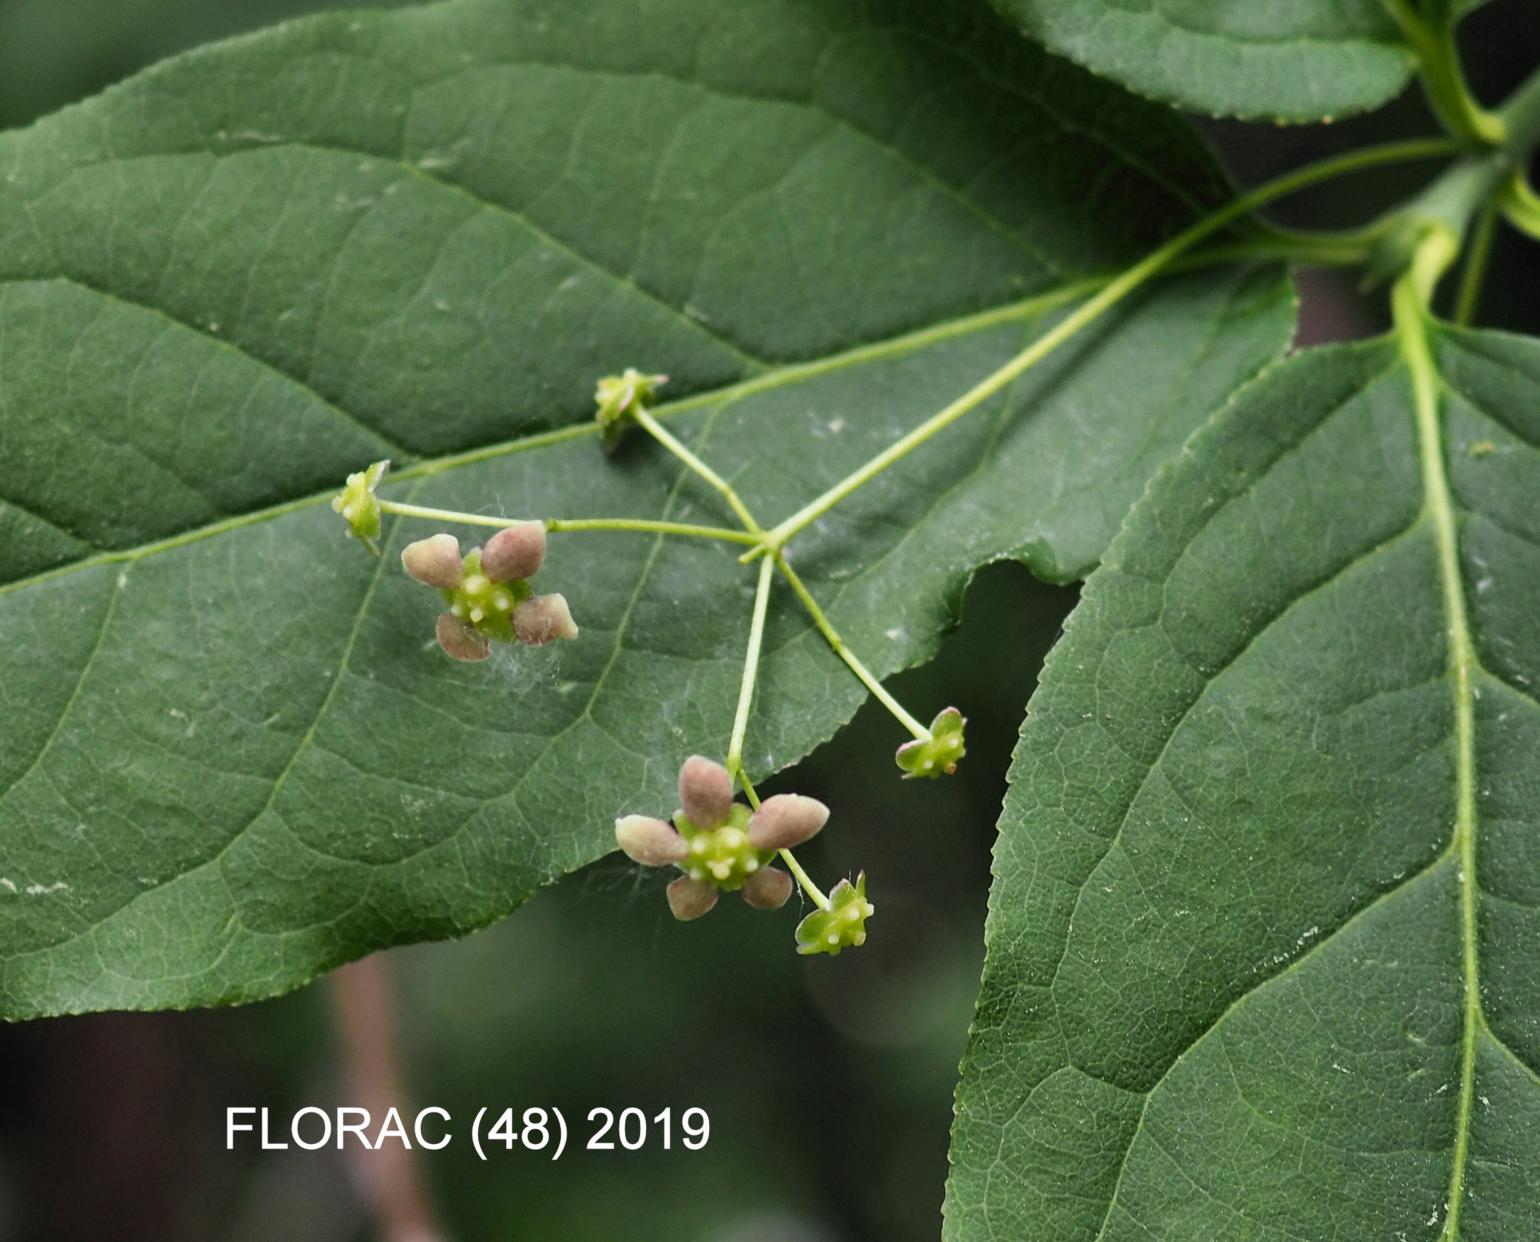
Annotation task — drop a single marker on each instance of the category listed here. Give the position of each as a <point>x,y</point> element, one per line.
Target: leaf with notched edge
<point>1262,944</point>
<point>233,757</point>
<point>1304,60</point>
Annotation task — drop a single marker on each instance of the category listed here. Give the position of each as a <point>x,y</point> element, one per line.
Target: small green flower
<point>938,755</point>
<point>842,925</point>
<point>618,397</point>
<point>720,855</point>
<point>358,506</point>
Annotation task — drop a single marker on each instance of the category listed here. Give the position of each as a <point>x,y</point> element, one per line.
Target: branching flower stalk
<point>624,399</point>
<point>741,724</point>
<point>1088,312</point>
<point>718,844</point>
<point>569,525</point>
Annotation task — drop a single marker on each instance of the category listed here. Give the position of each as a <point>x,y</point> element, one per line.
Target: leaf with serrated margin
<point>1263,936</point>
<point>1304,60</point>
<point>233,757</point>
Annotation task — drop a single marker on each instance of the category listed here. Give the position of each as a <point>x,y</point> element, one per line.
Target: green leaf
<point>234,757</point>
<point>1305,60</point>
<point>52,54</point>
<point>1262,940</point>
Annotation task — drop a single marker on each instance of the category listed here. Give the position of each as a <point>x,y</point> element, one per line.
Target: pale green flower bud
<point>435,561</point>
<point>516,552</point>
<point>618,397</point>
<point>544,619</point>
<point>705,792</point>
<point>649,841</point>
<point>358,506</point>
<point>940,754</point>
<point>842,925</point>
<point>786,821</point>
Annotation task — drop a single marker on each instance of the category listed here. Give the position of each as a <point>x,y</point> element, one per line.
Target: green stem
<point>445,515</point>
<point>667,439</point>
<point>750,669</point>
<point>1438,64</point>
<point>1473,274</point>
<point>726,535</point>
<point>1521,206</point>
<point>815,894</point>
<point>826,628</point>
<point>571,524</point>
<point>1306,246</point>
<point>1110,294</point>
<point>1521,119</point>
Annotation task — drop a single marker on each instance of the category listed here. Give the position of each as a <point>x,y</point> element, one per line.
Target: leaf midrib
<point>767,381</point>
<point>1439,505</point>
<point>1438,515</point>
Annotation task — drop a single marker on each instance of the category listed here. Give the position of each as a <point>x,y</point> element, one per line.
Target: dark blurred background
<point>828,1081</point>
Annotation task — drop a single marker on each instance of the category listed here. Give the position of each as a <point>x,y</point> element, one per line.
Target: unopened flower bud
<point>358,506</point>
<point>842,925</point>
<point>544,619</point>
<point>618,397</point>
<point>460,641</point>
<point>649,841</point>
<point>939,754</point>
<point>689,899</point>
<point>767,889</point>
<point>516,552</point>
<point>785,821</point>
<point>705,792</point>
<point>434,561</point>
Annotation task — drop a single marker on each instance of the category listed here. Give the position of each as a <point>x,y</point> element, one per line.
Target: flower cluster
<point>487,596</point>
<point>720,845</point>
<point>717,844</point>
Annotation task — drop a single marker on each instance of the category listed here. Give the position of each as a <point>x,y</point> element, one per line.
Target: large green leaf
<point>53,53</point>
<point>233,757</point>
<point>1304,60</point>
<point>1263,938</point>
